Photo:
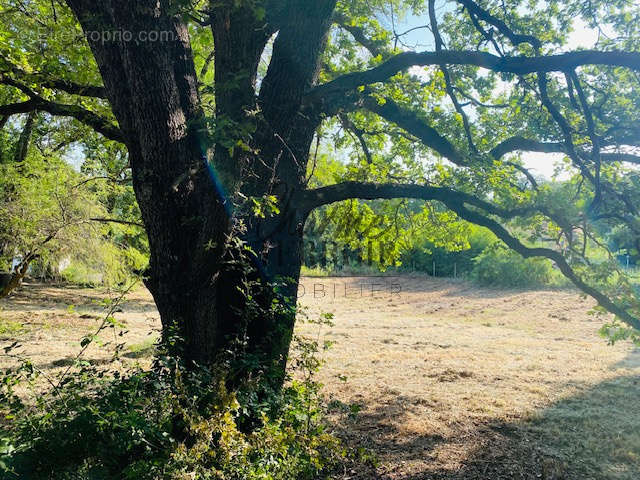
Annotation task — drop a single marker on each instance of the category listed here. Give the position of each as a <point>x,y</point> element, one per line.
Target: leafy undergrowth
<point>166,422</point>
<point>9,328</point>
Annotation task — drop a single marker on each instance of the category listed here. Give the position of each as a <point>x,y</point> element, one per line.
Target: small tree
<point>50,213</point>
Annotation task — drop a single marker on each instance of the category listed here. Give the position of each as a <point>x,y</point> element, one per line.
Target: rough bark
<point>195,275</point>
<point>153,92</point>
<point>10,281</point>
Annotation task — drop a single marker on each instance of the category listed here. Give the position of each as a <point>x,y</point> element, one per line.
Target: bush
<point>448,262</point>
<point>168,422</point>
<point>499,266</point>
<point>173,424</point>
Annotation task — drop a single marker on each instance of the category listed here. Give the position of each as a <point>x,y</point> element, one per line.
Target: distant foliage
<point>448,262</point>
<point>501,267</point>
<point>55,216</point>
<point>43,212</point>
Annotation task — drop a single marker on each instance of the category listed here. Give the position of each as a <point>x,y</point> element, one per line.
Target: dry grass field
<point>438,379</point>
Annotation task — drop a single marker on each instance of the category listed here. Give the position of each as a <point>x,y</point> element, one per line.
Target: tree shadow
<point>54,296</point>
<point>594,434</point>
<point>631,361</point>
<point>146,352</point>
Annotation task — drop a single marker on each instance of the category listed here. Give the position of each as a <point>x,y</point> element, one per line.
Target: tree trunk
<point>209,292</point>
<point>10,281</point>
<point>6,280</point>
<point>22,146</point>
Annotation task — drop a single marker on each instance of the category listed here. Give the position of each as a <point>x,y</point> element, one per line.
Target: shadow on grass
<point>594,435</point>
<point>144,350</point>
<point>632,360</point>
<point>63,295</point>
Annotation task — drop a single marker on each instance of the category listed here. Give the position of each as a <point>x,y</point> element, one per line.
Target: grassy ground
<point>440,379</point>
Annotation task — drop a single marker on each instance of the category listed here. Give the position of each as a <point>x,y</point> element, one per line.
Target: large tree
<point>221,148</point>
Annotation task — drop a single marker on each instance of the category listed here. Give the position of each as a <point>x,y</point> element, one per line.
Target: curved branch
<point>311,199</point>
<point>456,201</point>
<point>72,87</point>
<point>93,120</point>
<point>375,48</point>
<point>519,65</point>
<point>98,123</point>
<point>518,143</point>
<point>118,221</point>
<point>620,157</point>
<point>532,180</point>
<point>359,134</point>
<point>46,81</point>
<point>516,39</point>
<point>411,122</point>
<point>16,108</point>
<point>527,252</point>
<point>67,86</point>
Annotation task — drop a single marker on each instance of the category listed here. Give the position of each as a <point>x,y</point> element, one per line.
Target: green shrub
<point>499,266</point>
<point>80,274</point>
<point>448,263</point>
<point>10,328</point>
<point>168,422</point>
<point>107,265</point>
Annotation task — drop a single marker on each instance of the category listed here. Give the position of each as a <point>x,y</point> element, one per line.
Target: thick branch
<point>411,122</point>
<point>608,157</point>
<point>98,123</point>
<point>72,87</point>
<point>516,39</point>
<point>16,108</point>
<point>93,120</point>
<point>527,252</point>
<point>456,202</point>
<point>517,65</point>
<point>525,172</point>
<point>339,192</point>
<point>22,147</point>
<point>116,220</point>
<point>67,86</point>
<point>374,47</point>
<point>518,143</point>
